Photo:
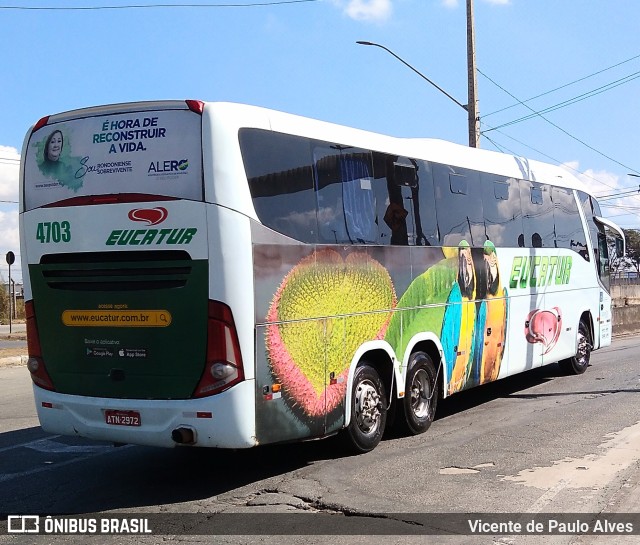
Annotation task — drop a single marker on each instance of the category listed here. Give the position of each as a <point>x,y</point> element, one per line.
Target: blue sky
<point>302,58</point>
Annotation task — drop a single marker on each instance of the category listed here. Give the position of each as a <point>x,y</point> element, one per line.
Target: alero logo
<point>151,216</point>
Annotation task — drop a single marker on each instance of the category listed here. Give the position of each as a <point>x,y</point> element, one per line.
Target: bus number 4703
<point>53,231</point>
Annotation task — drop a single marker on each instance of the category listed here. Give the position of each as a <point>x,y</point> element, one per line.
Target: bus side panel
<point>316,305</point>
<point>550,289</point>
<point>496,312</point>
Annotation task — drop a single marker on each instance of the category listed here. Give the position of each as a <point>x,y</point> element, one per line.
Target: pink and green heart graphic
<point>324,309</point>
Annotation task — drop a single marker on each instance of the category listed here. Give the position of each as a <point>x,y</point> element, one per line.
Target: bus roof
<point>236,116</point>
<point>428,149</point>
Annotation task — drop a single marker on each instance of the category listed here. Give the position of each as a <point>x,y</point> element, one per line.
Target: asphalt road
<point>537,443</point>
<point>15,328</point>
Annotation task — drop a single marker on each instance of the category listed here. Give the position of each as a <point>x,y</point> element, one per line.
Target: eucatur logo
<point>145,237</point>
<point>151,216</point>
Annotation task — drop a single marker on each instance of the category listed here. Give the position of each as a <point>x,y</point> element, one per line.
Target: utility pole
<point>472,103</point>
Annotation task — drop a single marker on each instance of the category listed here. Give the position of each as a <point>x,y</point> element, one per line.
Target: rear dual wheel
<point>368,409</point>
<point>420,397</point>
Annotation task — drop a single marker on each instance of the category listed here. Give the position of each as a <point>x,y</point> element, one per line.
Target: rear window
<point>150,152</point>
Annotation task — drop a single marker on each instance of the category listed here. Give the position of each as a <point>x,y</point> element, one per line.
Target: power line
<point>573,100</point>
<point>557,161</point>
<point>565,85</point>
<point>147,6</point>
<point>618,195</point>
<point>559,128</point>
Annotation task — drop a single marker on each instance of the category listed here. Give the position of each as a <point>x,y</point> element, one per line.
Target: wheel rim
<point>367,408</point>
<point>420,393</point>
<point>582,356</point>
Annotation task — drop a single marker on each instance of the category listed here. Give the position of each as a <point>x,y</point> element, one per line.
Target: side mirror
<point>619,247</point>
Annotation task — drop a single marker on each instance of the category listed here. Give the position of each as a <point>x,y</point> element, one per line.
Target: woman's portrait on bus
<point>55,162</point>
<point>53,146</point>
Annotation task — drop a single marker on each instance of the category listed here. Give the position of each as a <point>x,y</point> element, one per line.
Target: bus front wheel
<point>368,409</point>
<point>578,364</point>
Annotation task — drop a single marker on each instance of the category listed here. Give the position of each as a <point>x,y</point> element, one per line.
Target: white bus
<point>221,275</point>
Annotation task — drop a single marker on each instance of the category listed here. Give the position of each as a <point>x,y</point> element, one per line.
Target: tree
<point>631,260</point>
<point>632,257</point>
<point>4,301</point>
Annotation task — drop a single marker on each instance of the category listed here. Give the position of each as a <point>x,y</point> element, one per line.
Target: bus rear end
<point>126,342</point>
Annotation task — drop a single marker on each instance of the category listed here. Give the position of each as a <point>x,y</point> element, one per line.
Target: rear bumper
<point>226,420</point>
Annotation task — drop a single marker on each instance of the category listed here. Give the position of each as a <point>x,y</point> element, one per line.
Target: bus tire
<point>576,365</point>
<point>420,396</point>
<point>368,409</point>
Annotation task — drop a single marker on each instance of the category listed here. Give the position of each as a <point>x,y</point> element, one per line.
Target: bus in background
<point>221,275</point>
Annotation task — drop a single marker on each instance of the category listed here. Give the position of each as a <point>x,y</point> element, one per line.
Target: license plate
<point>122,418</point>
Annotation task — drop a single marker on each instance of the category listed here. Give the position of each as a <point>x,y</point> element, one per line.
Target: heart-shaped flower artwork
<point>324,309</point>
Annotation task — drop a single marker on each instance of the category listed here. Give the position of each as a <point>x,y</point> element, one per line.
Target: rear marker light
<point>47,405</point>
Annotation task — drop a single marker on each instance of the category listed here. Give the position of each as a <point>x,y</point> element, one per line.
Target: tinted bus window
<point>152,152</point>
<point>587,203</point>
<point>395,182</point>
<point>501,205</point>
<point>597,235</point>
<point>280,175</point>
<point>568,225</point>
<point>425,207</point>
<point>458,205</point>
<point>345,197</point>
<point>537,215</point>
<point>406,209</point>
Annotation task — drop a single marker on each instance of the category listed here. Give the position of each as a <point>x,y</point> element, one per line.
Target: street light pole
<point>472,107</point>
<point>472,104</point>
<point>360,42</point>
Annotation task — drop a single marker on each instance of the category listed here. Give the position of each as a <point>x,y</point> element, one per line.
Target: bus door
<point>606,230</point>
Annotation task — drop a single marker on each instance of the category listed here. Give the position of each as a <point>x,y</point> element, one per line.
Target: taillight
<point>196,106</point>
<point>35,364</point>
<point>224,361</point>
